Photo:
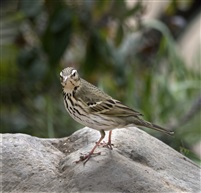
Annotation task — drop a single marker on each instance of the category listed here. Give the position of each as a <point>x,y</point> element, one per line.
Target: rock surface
<point>138,163</point>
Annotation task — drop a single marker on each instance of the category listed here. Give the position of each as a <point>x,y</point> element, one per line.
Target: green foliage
<point>94,37</point>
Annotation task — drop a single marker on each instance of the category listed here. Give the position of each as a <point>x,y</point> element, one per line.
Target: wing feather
<point>113,108</point>
<point>98,102</point>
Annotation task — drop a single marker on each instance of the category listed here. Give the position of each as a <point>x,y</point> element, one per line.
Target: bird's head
<point>70,79</point>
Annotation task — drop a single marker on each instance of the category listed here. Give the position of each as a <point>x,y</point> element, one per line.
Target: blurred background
<point>143,53</point>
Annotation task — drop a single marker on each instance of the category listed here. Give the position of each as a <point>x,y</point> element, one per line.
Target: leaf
<point>120,35</point>
<point>31,8</point>
<point>135,9</point>
<point>57,35</point>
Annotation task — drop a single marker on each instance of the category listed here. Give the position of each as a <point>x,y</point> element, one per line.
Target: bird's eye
<point>73,73</point>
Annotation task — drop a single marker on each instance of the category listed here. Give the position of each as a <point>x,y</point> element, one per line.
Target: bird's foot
<point>85,157</point>
<point>108,145</point>
<point>104,144</point>
<point>100,144</point>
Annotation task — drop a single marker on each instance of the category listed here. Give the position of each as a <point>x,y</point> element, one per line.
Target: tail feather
<point>156,127</point>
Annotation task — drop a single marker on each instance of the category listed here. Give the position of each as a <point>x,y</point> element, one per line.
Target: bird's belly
<point>94,121</point>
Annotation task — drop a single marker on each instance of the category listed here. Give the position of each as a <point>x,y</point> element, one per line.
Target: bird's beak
<point>63,79</point>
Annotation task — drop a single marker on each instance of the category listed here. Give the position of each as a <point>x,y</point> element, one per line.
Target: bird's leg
<point>85,158</point>
<point>109,144</point>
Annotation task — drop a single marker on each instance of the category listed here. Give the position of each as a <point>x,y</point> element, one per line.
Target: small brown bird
<point>93,108</point>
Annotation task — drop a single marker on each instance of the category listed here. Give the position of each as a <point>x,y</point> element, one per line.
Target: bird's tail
<point>156,127</point>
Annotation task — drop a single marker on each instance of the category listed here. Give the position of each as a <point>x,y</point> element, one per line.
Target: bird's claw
<point>104,144</point>
<point>108,145</point>
<point>85,157</point>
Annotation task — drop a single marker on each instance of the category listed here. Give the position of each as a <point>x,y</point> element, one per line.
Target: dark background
<point>116,45</point>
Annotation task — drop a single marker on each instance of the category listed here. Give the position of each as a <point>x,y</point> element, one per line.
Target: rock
<point>138,163</point>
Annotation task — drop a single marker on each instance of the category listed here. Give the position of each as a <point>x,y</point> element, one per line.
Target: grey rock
<point>138,163</point>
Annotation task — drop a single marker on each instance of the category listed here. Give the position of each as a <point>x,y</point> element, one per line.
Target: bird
<point>92,107</point>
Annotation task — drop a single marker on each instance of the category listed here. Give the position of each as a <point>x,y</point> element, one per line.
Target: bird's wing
<point>112,107</point>
<point>98,102</point>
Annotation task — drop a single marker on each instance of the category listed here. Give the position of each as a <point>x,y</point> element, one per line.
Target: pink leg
<point>109,144</point>
<point>109,140</point>
<point>85,158</point>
